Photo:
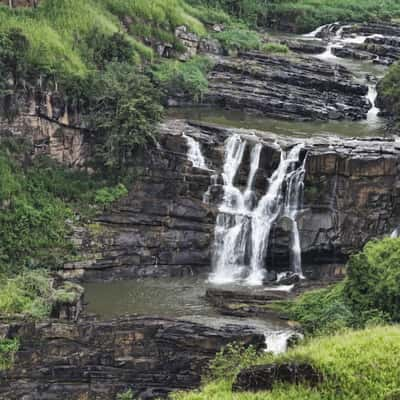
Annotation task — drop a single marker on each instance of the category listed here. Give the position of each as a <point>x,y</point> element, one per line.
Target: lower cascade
<point>243,225</point>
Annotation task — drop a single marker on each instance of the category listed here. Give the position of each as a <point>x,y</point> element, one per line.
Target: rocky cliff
<point>287,87</point>
<point>96,360</point>
<point>351,195</point>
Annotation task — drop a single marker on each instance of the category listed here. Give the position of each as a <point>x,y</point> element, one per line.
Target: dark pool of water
<point>182,298</point>
<point>241,119</point>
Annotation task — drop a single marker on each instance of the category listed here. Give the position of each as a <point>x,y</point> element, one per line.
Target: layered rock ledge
<point>164,228</point>
<point>97,360</point>
<point>288,88</point>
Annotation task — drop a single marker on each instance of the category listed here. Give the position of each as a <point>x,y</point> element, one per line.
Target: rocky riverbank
<point>287,87</point>
<point>96,360</point>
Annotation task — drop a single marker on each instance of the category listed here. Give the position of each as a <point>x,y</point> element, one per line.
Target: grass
<point>357,365</point>
<point>306,15</point>
<point>57,30</point>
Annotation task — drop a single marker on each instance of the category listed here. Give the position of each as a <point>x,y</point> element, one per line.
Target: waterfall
<point>293,204</point>
<point>243,227</point>
<point>372,116</point>
<point>267,212</point>
<point>396,233</point>
<point>194,153</point>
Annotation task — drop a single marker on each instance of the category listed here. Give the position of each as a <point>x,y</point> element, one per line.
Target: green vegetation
<point>124,108</point>
<point>389,92</point>
<point>368,296</point>
<point>8,348</point>
<point>128,395</point>
<point>239,38</point>
<point>186,78</point>
<point>356,365</point>
<point>274,48</point>
<point>306,15</point>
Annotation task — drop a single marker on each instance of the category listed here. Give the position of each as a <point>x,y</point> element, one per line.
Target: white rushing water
<point>337,39</point>
<point>243,226</point>
<point>194,153</point>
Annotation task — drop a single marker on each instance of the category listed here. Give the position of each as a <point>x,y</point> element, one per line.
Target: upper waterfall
<point>194,153</point>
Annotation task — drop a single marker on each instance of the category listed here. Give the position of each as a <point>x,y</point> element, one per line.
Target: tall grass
<point>356,365</point>
<point>57,28</point>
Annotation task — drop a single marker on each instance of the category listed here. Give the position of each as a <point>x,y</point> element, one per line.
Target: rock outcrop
<point>264,377</point>
<point>97,360</point>
<point>164,228</point>
<point>48,123</point>
<point>287,88</point>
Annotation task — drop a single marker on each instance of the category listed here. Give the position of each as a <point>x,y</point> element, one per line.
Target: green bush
<point>389,91</point>
<point>29,293</point>
<point>374,279</point>
<point>274,48</point>
<point>187,78</point>
<point>124,111</point>
<point>8,348</point>
<point>128,395</point>
<point>230,360</point>
<point>106,196</point>
<point>239,38</point>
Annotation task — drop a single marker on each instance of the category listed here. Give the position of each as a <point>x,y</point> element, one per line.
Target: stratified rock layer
<point>97,360</point>
<point>301,89</point>
<point>163,228</point>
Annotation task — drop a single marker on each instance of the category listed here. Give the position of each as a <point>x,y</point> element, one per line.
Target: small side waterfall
<point>194,153</point>
<point>243,226</point>
<point>337,39</point>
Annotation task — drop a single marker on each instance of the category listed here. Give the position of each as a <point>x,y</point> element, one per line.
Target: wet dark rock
<point>98,359</point>
<point>264,377</point>
<point>287,88</point>
<point>305,46</point>
<point>289,279</point>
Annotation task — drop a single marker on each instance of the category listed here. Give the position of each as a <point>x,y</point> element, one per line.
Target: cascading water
<point>337,39</point>
<point>194,153</point>
<point>243,227</point>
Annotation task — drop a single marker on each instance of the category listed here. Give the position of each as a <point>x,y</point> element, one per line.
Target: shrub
<point>188,78</point>
<point>8,348</point>
<point>124,110</point>
<point>239,38</point>
<point>275,48</point>
<point>230,361</point>
<point>106,196</point>
<point>128,395</point>
<point>28,293</point>
<point>374,279</point>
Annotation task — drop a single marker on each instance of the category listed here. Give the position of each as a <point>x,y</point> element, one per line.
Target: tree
<point>124,111</point>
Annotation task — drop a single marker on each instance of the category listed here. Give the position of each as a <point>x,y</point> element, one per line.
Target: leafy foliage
<point>8,348</point>
<point>128,395</point>
<point>230,360</point>
<point>274,48</point>
<point>239,38</point>
<point>124,110</point>
<point>188,78</point>
<point>108,195</point>
<point>374,279</point>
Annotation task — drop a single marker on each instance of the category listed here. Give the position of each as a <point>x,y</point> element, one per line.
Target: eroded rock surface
<point>164,228</point>
<point>302,89</point>
<point>97,360</point>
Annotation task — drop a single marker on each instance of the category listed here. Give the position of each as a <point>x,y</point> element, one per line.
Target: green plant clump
<point>187,78</point>
<point>8,348</point>
<point>274,48</point>
<point>355,365</point>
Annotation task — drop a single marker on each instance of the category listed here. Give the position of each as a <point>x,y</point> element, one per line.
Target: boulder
<point>264,377</point>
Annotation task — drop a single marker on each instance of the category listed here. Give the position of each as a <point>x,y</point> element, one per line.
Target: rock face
<point>96,360</point>
<point>264,377</point>
<point>48,123</point>
<point>163,228</point>
<point>291,89</point>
